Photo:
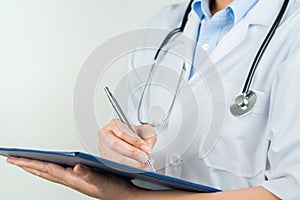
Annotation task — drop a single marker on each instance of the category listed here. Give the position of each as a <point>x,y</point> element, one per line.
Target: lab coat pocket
<point>241,148</point>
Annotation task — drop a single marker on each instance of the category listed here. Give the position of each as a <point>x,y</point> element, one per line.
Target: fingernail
<point>146,149</point>
<point>143,158</point>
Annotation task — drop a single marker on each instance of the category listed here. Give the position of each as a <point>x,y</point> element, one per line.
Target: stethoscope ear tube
<point>246,101</point>
<point>176,30</point>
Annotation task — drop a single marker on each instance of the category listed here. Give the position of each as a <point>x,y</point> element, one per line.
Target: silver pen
<point>123,118</point>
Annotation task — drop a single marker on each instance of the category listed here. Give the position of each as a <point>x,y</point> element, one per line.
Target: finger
<point>42,168</point>
<point>51,172</point>
<point>116,157</point>
<point>34,164</point>
<point>74,180</point>
<point>48,171</point>
<point>43,175</point>
<point>124,148</point>
<point>122,131</point>
<point>119,158</point>
<point>65,176</point>
<point>147,134</point>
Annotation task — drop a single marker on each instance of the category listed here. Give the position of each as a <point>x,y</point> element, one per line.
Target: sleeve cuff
<point>283,188</point>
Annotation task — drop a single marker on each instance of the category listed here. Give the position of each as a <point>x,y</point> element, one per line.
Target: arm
<point>106,187</point>
<point>258,193</point>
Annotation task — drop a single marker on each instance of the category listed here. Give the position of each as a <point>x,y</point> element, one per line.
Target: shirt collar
<point>240,8</point>
<point>237,9</point>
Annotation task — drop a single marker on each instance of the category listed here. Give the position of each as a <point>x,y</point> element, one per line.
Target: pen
<point>123,118</point>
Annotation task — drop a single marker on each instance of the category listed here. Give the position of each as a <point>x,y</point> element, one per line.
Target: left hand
<point>80,178</point>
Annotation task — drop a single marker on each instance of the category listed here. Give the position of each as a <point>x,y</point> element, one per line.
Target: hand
<point>119,144</point>
<point>80,178</point>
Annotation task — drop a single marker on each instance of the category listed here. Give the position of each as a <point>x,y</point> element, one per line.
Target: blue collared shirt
<point>211,29</point>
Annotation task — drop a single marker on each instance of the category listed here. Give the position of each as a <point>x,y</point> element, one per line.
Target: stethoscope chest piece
<point>243,104</point>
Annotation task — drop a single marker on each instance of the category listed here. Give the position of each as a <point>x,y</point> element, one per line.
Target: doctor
<point>255,156</point>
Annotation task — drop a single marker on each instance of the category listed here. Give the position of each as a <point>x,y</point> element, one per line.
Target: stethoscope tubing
<point>245,101</point>
<point>263,47</point>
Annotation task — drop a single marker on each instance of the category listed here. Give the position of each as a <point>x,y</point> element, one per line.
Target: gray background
<point>42,46</point>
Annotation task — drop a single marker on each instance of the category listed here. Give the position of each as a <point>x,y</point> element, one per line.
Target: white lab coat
<point>262,148</point>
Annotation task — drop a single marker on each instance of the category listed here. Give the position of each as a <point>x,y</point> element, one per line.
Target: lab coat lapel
<point>256,17</point>
<point>230,41</point>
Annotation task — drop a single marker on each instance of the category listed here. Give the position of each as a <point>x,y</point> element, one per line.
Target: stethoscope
<point>244,103</point>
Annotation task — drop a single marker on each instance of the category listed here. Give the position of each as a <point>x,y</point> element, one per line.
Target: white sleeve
<point>283,171</point>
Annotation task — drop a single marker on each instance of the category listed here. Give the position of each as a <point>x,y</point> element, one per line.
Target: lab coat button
<point>175,160</point>
<point>205,47</point>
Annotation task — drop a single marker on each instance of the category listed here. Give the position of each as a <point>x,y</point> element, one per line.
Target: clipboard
<point>141,178</point>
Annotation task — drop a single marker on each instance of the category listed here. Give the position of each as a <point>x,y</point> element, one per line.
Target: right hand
<point>119,144</point>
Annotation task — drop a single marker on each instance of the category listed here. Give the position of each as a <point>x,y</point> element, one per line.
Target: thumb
<point>86,173</point>
<point>89,181</point>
